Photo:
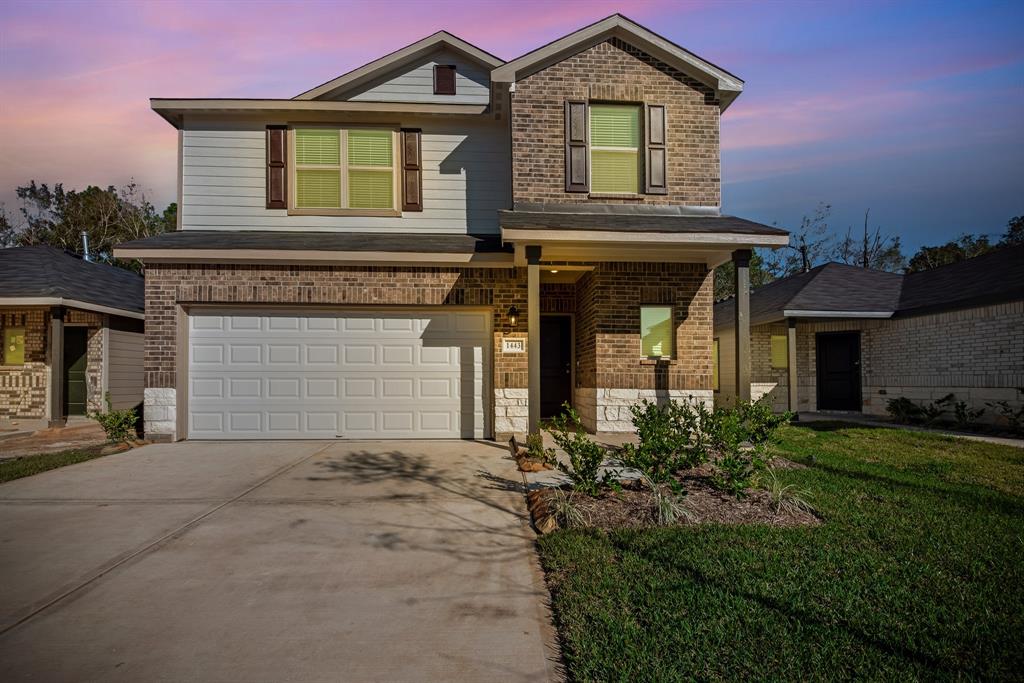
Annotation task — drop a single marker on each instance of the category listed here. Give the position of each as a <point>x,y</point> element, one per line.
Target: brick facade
<point>606,302</point>
<point>977,354</point>
<point>614,71</point>
<point>24,389</point>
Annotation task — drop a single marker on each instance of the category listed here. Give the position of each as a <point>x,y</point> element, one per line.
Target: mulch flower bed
<point>633,507</point>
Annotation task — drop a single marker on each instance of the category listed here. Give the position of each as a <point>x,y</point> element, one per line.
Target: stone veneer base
<point>607,410</point>
<point>160,414</point>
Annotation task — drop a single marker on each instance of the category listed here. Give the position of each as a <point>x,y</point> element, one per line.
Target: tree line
<point>815,243</point>
<point>58,217</point>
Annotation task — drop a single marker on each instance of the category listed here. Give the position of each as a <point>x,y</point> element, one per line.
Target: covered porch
<point>619,309</point>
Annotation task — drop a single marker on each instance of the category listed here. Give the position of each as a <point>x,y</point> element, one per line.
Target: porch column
<point>794,406</point>
<point>57,418</point>
<point>741,259</point>
<point>533,336</point>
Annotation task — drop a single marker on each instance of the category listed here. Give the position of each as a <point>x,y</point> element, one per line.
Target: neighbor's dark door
<point>555,363</point>
<point>75,347</point>
<point>838,370</point>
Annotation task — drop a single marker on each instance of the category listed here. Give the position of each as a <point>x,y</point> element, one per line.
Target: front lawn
<point>26,466</point>
<point>916,572</point>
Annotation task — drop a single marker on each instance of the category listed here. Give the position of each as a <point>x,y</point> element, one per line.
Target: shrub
<point>759,422</point>
<point>932,412</point>
<point>964,417</point>
<point>119,425</point>
<point>903,410</point>
<point>741,438</point>
<point>568,514</point>
<point>1014,417</point>
<point>585,456</point>
<point>671,438</point>
<point>535,448</point>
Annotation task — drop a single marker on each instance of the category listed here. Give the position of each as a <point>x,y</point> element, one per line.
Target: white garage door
<point>322,375</point>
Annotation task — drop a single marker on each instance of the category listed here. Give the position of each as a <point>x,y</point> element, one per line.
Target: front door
<point>838,370</point>
<point>555,363</point>
<point>75,352</point>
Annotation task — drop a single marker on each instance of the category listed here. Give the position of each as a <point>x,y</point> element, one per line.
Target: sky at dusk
<point>915,110</point>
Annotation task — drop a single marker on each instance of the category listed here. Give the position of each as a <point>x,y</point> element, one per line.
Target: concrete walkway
<point>274,561</point>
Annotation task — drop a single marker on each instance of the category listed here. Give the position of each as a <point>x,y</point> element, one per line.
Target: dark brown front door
<point>555,363</point>
<point>838,370</point>
<point>75,346</point>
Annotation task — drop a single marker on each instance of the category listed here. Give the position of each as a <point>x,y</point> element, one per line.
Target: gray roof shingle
<point>852,292</point>
<point>319,241</point>
<point>43,271</point>
<point>633,222</point>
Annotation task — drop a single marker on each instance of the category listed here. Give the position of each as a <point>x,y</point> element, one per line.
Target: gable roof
<point>727,86</point>
<point>398,58</point>
<point>837,290</point>
<point>56,277</point>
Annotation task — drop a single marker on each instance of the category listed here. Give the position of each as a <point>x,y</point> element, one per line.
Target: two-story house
<point>443,244</point>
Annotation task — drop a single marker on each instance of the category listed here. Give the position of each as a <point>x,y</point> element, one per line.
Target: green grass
<point>916,573</point>
<point>16,468</point>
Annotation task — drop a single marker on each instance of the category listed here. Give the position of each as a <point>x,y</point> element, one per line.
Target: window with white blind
<point>344,170</point>
<point>614,148</point>
<point>656,331</point>
<point>779,351</point>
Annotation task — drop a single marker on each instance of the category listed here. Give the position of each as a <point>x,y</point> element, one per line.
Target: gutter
<point>70,303</point>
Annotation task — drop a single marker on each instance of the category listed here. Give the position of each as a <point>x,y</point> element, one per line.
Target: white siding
<point>415,83</point>
<point>465,180</point>
<point>124,370</point>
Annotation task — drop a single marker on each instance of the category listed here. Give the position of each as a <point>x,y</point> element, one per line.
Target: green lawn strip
<point>915,573</point>
<point>16,468</point>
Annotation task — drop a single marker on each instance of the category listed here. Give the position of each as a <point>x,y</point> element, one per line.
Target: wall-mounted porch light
<point>513,315</point>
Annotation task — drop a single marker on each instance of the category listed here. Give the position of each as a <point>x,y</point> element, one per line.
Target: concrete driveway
<point>274,561</point>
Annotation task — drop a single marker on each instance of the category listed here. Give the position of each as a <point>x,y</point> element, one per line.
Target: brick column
<point>533,337</point>
<point>741,259</point>
<point>57,418</point>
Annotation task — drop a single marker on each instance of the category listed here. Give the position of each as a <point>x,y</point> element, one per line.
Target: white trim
<point>396,59</point>
<point>71,303</point>
<point>487,260</point>
<point>727,86</point>
<point>529,235</point>
<point>789,313</point>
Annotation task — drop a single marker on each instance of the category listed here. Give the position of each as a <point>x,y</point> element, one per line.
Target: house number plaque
<point>513,346</point>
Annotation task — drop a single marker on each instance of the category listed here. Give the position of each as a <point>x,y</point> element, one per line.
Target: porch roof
<point>313,246</point>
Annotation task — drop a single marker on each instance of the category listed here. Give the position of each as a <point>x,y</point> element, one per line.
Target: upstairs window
<point>345,169</point>
<point>444,79</point>
<point>656,331</point>
<point>614,149</point>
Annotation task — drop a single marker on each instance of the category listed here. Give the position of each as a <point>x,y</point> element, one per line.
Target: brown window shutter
<point>577,147</point>
<point>412,170</point>
<point>655,149</point>
<point>277,167</point>
<point>444,79</point>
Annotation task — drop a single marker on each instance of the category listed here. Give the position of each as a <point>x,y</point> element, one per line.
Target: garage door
<point>324,375</point>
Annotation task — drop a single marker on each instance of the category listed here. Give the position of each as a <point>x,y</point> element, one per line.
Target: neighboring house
<point>849,339</point>
<point>72,332</point>
<point>442,244</point>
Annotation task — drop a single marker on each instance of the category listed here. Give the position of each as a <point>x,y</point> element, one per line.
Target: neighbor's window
<point>656,331</point>
<point>780,351</point>
<point>614,148</point>
<point>344,168</point>
<point>714,365</point>
<point>14,346</point>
